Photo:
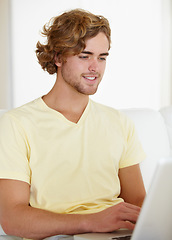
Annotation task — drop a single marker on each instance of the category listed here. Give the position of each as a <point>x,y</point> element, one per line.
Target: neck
<point>69,103</point>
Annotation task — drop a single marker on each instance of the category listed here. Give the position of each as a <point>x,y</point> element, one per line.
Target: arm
<point>132,187</point>
<point>19,219</point>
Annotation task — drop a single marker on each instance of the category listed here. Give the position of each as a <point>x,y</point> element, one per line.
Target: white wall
<point>134,73</point>
<point>166,83</point>
<point>5,83</point>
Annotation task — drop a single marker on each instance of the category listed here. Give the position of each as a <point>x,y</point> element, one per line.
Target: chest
<point>76,148</point>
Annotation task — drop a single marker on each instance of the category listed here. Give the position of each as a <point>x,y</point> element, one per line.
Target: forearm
<point>28,222</point>
<point>19,219</point>
<point>34,223</point>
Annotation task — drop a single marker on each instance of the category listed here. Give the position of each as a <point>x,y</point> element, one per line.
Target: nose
<point>93,66</point>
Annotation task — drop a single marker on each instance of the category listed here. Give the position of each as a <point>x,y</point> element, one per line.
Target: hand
<point>122,215</point>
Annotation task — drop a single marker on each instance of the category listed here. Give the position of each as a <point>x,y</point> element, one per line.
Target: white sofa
<point>154,129</point>
<point>155,132</point>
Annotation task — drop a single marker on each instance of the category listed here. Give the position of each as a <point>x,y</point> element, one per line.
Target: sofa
<point>154,129</point>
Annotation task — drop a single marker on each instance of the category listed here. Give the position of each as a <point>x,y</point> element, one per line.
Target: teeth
<point>90,78</point>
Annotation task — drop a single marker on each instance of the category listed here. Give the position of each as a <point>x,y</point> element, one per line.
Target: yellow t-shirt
<point>72,168</point>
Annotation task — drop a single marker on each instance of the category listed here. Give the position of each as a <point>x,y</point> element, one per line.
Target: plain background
<point>138,73</point>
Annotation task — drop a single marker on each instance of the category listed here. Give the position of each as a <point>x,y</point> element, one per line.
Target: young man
<point>68,164</point>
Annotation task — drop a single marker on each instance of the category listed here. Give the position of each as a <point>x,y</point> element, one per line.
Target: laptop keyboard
<point>122,238</point>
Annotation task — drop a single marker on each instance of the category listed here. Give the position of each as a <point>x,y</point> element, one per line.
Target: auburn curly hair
<point>66,35</point>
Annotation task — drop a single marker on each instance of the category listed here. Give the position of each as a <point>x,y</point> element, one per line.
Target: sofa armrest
<point>167,115</point>
<point>152,133</point>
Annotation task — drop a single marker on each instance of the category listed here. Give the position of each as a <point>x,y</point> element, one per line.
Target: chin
<point>90,92</point>
<point>86,90</point>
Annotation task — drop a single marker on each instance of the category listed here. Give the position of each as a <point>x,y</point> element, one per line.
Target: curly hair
<point>66,35</point>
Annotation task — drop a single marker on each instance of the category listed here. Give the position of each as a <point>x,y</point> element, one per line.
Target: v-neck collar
<point>61,116</point>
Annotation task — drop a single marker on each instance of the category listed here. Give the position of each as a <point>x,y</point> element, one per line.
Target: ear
<point>58,60</point>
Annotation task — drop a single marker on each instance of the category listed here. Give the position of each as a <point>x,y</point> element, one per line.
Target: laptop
<point>155,220</point>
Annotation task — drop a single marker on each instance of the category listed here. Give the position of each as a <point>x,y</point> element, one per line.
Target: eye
<point>102,58</point>
<point>83,57</point>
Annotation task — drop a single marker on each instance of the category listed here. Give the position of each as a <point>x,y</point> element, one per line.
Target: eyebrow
<point>91,53</point>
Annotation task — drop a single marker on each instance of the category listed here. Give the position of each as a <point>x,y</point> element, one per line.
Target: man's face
<point>84,72</point>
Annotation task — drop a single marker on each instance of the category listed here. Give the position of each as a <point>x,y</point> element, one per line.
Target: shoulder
<point>113,119</point>
<point>24,111</point>
<point>19,118</point>
<point>110,113</point>
<point>103,109</point>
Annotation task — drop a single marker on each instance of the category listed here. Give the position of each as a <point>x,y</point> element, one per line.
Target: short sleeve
<point>14,150</point>
<point>133,152</point>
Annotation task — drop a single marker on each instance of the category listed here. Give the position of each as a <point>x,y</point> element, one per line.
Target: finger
<point>127,225</point>
<point>131,206</point>
<point>131,217</point>
<point>130,209</point>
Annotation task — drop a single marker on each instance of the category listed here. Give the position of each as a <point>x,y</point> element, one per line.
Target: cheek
<point>77,67</point>
<point>102,68</point>
<point>71,72</point>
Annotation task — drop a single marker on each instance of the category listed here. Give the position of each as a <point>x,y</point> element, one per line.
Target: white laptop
<point>155,220</point>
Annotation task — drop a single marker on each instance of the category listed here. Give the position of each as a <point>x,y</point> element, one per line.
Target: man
<point>68,164</point>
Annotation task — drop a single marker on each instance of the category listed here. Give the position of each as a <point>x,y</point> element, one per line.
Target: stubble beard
<point>79,85</point>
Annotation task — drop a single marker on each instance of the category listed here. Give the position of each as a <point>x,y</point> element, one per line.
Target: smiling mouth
<point>90,78</point>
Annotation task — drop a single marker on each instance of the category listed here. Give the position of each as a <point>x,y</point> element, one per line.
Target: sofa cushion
<point>167,115</point>
<point>2,111</point>
<point>153,135</point>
